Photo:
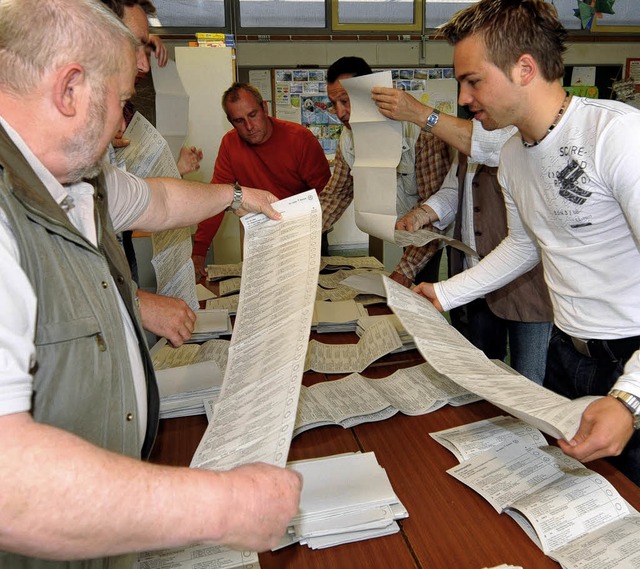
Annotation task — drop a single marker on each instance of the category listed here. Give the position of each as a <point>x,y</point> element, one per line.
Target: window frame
<point>416,26</point>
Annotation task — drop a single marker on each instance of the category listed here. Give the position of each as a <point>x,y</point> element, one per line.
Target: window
<point>438,12</point>
<point>201,14</point>
<point>282,14</point>
<point>377,15</point>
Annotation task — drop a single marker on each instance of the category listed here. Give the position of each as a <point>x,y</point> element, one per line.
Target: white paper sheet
<point>378,146</point>
<point>254,417</point>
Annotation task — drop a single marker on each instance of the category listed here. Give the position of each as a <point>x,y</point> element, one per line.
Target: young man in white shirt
<point>577,213</point>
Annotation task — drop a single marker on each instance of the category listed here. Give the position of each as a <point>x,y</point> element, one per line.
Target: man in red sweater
<point>261,152</point>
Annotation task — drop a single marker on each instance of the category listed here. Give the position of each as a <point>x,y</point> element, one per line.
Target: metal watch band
<point>631,402</point>
<point>237,197</point>
<point>432,120</point>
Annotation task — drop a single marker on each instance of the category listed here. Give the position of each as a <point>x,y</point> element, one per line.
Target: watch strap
<point>432,120</point>
<point>237,198</point>
<point>631,402</point>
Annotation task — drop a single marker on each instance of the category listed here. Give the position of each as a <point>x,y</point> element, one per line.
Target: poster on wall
<point>300,95</point>
<point>433,86</point>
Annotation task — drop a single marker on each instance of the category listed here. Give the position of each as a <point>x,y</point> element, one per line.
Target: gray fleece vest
<point>82,380</point>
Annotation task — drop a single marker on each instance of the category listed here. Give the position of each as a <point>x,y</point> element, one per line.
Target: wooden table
<point>449,525</point>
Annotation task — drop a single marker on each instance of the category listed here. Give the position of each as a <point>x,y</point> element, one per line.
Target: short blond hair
<point>511,28</point>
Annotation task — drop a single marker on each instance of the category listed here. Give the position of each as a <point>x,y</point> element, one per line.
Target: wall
<point>394,53</point>
<point>291,53</point>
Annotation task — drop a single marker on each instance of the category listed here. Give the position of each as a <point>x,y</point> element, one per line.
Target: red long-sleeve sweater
<point>290,162</point>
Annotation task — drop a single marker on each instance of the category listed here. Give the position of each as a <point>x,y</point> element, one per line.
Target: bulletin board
<point>300,95</point>
<point>605,76</point>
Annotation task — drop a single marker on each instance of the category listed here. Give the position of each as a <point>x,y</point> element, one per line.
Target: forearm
<point>629,381</point>
<point>504,264</point>
<point>454,131</point>
<point>401,106</point>
<point>180,203</point>
<point>63,498</point>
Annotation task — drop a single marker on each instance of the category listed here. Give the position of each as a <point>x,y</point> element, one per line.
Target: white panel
<point>206,74</point>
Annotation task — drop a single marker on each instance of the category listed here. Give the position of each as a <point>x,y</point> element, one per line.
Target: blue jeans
<point>574,375</point>
<point>527,341</point>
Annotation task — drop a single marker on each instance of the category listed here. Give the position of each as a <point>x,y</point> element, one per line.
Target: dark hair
<point>118,6</point>
<point>511,28</point>
<point>232,94</point>
<point>350,65</point>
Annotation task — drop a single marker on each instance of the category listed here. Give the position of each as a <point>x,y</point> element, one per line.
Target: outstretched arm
<point>180,203</point>
<point>401,106</point>
<point>60,494</point>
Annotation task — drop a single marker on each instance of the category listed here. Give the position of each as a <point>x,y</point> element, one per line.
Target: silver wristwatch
<point>432,120</point>
<point>237,197</point>
<point>631,402</point>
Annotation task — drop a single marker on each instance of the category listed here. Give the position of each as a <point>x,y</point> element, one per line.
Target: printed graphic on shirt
<point>567,181</point>
<point>570,187</point>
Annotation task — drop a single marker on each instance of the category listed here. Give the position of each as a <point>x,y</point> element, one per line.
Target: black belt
<point>619,349</point>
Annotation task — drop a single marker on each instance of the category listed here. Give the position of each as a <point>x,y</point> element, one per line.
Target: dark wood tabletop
<point>449,525</point>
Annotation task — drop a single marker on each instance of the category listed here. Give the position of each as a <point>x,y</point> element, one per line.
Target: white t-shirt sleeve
<point>129,196</point>
<point>618,156</point>
<point>17,327</point>
<point>487,144</point>
<point>514,256</point>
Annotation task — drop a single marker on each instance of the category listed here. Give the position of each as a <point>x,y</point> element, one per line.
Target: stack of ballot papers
<point>407,339</point>
<point>221,272</point>
<point>344,498</point>
<point>335,263</point>
<point>211,324</point>
<point>184,388</point>
<point>339,316</point>
<point>188,375</point>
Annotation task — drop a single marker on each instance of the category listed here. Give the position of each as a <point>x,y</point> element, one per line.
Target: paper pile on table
<point>344,498</point>
<point>340,316</point>
<point>187,375</point>
<point>407,339</point>
<point>211,324</point>
<point>183,389</point>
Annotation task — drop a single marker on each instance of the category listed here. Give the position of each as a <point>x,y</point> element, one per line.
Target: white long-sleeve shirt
<point>579,212</point>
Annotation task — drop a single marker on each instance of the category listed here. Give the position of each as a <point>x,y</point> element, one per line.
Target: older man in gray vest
<point>78,400</point>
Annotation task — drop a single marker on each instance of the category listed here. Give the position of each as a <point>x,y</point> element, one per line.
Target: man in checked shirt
<point>423,166</point>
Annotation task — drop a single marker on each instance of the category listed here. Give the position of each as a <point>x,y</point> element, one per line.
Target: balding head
<point>37,37</point>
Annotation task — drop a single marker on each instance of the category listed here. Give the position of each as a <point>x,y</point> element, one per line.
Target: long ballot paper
<point>148,155</point>
<point>254,417</point>
<point>450,353</point>
<point>378,144</point>
<point>570,512</point>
